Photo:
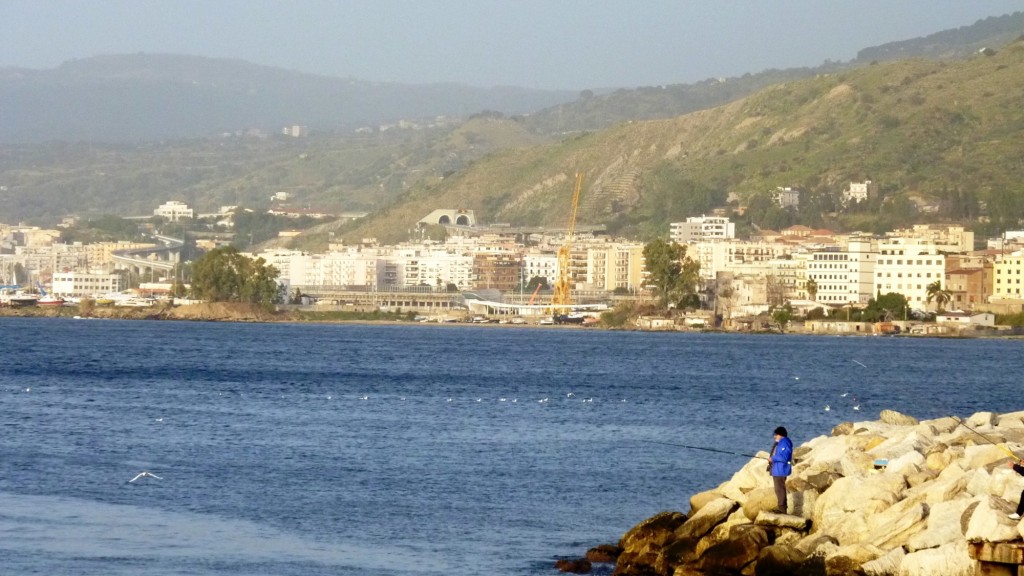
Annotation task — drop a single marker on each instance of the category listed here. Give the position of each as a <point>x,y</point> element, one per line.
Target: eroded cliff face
<point>892,496</point>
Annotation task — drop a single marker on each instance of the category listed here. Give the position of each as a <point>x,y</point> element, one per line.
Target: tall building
<point>843,276</point>
<point>701,229</point>
<point>907,266</point>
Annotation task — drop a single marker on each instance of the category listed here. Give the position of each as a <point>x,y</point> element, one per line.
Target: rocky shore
<point>893,497</point>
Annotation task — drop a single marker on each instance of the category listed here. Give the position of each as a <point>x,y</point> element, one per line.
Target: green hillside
<point>943,140</point>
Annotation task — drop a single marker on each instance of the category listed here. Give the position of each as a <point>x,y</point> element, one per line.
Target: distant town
<point>504,271</point>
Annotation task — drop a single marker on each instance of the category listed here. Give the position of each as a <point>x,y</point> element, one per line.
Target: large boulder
<point>604,553</point>
<point>653,533</point>
<point>779,560</point>
<point>705,519</point>
<point>948,560</point>
<point>897,418</point>
<point>740,549</point>
<point>987,521</point>
<point>887,565</point>
<point>698,500</point>
<point>942,526</point>
<point>759,500</point>
<point>848,559</point>
<point>841,509</point>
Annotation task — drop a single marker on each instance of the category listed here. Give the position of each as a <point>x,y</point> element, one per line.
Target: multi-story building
<point>500,271</point>
<point>1008,277</point>
<point>701,228</point>
<point>542,264</point>
<point>173,211</point>
<point>84,284</point>
<point>841,276</point>
<point>907,266</point>
<point>617,265</point>
<point>945,238</point>
<point>968,287</point>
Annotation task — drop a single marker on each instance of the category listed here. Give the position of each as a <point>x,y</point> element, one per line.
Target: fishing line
<point>706,449</point>
<point>986,439</point>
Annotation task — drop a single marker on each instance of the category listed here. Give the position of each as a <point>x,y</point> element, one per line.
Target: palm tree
<point>812,289</point>
<point>940,296</point>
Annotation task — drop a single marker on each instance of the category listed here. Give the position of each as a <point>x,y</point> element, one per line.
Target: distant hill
<point>941,138</point>
<point>147,97</point>
<point>594,111</point>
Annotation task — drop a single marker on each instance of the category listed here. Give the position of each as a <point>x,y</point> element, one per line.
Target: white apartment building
<point>542,263</point>
<point>907,266</point>
<point>843,276</point>
<point>428,266</point>
<point>701,228</point>
<point>1008,273</point>
<point>715,257</point>
<point>84,284</point>
<point>173,211</point>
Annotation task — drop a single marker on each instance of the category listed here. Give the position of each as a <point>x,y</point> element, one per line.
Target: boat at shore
<point>18,299</point>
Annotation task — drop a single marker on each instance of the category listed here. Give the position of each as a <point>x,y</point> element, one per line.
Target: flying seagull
<point>141,474</point>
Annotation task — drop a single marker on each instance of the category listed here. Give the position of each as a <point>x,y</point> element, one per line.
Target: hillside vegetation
<point>358,172</point>
<point>943,140</point>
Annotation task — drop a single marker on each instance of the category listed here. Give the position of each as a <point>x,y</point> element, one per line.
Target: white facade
<point>907,267</point>
<point>702,228</point>
<point>173,211</point>
<point>732,255</point>
<point>84,284</point>
<point>843,276</point>
<point>541,263</point>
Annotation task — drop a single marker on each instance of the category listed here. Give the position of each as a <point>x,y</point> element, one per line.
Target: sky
<point>548,44</point>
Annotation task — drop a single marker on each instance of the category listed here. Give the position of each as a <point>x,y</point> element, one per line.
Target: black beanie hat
<point>781,431</point>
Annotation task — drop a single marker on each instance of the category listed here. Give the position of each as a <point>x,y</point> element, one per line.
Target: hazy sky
<point>571,44</point>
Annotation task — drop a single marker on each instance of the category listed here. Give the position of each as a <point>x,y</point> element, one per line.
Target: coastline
<point>241,312</point>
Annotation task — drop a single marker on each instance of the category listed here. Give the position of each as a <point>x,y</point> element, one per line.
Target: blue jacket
<point>782,458</point>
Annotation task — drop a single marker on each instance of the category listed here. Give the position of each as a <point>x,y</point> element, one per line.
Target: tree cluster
<point>225,275</point>
<point>671,274</point>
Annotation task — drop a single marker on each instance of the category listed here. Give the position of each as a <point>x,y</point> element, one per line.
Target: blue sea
<point>288,449</point>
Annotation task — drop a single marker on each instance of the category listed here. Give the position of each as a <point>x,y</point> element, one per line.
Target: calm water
<point>416,450</point>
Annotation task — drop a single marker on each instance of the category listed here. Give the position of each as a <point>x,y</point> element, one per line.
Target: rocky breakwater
<point>888,497</point>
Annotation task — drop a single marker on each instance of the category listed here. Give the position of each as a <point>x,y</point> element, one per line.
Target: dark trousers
<point>1020,505</point>
<point>780,492</point>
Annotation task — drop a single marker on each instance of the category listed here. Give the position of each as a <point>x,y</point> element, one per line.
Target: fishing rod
<point>707,449</point>
<point>986,439</point>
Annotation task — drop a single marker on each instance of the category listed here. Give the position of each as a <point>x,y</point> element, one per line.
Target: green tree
<point>670,272</point>
<point>812,289</point>
<point>783,315</point>
<point>891,306</point>
<point>225,275</point>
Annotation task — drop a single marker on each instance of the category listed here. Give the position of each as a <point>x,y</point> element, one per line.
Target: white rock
<point>898,445</point>
<point>942,527</point>
<point>706,518</point>
<point>894,526</point>
<point>949,560</point>
<point>1011,420</point>
<point>906,464</point>
<point>984,454</point>
<point>888,565</point>
<point>988,521</point>
<point>982,419</point>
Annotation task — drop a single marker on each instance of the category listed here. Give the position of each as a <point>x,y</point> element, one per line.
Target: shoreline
<point>247,313</point>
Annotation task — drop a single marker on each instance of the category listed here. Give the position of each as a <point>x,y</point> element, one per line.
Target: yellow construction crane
<point>561,298</point>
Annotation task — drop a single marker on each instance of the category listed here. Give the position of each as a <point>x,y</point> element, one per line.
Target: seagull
<point>844,394</point>
<point>827,407</point>
<point>860,363</point>
<point>856,407</point>
<point>142,474</point>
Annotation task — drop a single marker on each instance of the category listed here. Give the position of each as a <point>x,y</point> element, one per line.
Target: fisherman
<point>780,466</point>
<point>1020,505</point>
